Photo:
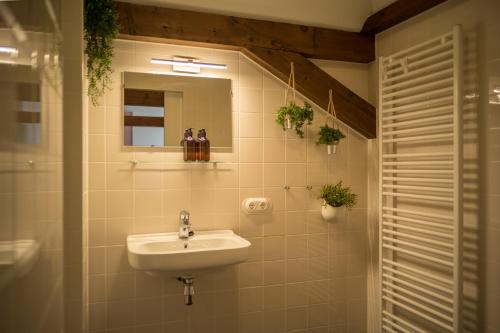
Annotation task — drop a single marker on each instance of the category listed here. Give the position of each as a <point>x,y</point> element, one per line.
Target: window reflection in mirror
<point>144,118</point>
<point>21,104</point>
<point>158,108</point>
<point>28,113</point>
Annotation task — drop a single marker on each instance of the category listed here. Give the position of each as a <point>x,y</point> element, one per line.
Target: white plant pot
<point>332,149</point>
<point>329,212</point>
<point>288,123</point>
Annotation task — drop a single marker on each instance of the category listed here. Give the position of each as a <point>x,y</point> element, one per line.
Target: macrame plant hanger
<point>291,85</point>
<point>332,115</point>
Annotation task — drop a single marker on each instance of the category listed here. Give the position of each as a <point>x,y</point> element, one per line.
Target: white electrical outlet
<point>256,205</point>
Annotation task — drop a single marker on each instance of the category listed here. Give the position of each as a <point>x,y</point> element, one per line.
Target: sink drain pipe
<point>188,282</point>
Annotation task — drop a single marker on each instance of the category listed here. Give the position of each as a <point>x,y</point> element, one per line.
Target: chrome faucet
<point>184,225</point>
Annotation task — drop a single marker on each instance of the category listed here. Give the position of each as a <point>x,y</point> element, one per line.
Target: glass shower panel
<point>31,237</point>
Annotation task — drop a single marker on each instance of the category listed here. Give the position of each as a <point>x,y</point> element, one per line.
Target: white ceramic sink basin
<point>17,259</point>
<point>167,252</point>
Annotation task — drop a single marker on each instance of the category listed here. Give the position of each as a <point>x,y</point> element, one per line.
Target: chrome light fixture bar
<point>7,49</point>
<point>189,63</point>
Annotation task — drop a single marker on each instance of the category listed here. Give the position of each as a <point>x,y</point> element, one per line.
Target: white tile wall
<point>299,264</point>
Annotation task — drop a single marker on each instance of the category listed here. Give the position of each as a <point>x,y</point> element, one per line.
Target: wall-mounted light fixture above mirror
<point>189,65</point>
<point>8,50</point>
<point>158,108</point>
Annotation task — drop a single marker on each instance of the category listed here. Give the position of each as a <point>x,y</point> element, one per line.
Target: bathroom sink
<point>167,252</point>
<point>17,259</point>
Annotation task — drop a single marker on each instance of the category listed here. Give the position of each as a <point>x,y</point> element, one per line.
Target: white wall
<point>352,75</point>
<point>304,275</point>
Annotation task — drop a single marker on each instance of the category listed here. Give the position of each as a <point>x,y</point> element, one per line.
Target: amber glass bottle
<point>203,151</point>
<point>189,145</point>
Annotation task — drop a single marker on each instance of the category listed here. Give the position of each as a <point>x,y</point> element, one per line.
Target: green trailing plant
<point>298,116</point>
<point>101,28</point>
<point>329,135</point>
<point>338,196</point>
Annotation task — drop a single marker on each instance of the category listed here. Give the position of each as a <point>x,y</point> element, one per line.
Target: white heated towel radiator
<point>420,170</point>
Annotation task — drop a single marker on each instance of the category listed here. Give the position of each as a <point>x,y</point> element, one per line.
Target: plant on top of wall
<point>101,28</point>
<point>329,136</point>
<point>296,116</point>
<point>292,115</point>
<point>334,197</point>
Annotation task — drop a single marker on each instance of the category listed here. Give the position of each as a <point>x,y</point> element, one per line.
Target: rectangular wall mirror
<point>158,108</point>
<point>20,87</point>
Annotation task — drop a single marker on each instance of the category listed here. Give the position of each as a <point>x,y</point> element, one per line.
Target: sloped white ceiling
<point>377,5</point>
<point>337,14</point>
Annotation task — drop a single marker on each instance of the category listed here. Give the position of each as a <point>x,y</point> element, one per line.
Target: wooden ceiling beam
<point>150,23</point>
<point>314,83</point>
<point>273,45</point>
<point>144,121</point>
<point>396,13</point>
<point>142,97</point>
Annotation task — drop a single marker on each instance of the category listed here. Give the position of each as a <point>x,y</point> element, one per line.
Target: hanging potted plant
<point>101,28</point>
<point>330,137</point>
<point>291,115</point>
<point>335,197</point>
<point>295,116</point>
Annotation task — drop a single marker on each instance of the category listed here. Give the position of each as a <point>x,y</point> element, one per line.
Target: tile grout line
<point>287,194</point>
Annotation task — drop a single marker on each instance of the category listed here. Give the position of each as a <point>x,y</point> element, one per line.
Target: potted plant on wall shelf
<point>295,116</point>
<point>335,197</point>
<point>101,28</point>
<point>330,137</point>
